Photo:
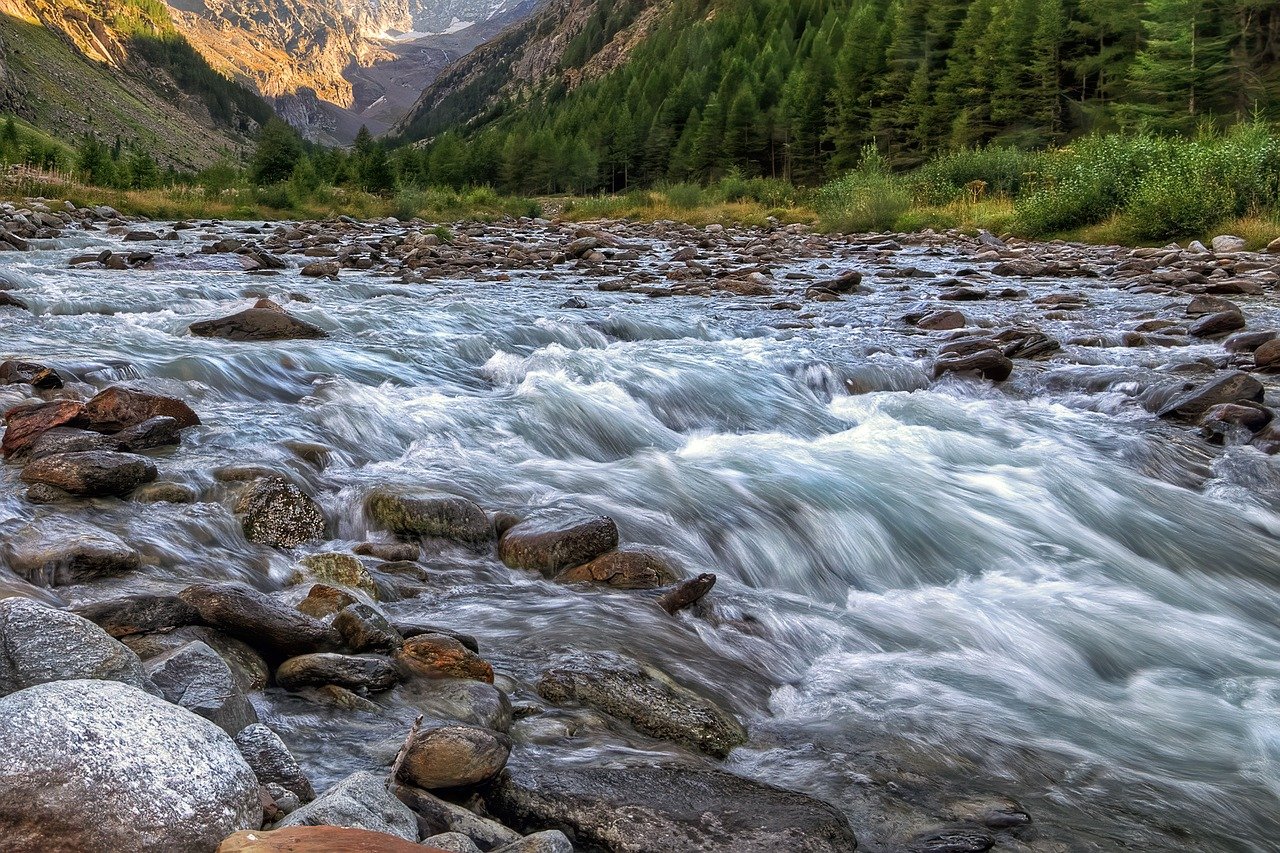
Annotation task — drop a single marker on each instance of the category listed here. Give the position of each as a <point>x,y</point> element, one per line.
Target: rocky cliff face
<point>528,55</point>
<point>74,66</point>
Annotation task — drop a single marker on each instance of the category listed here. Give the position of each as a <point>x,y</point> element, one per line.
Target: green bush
<point>684,196</point>
<point>945,179</point>
<point>871,198</point>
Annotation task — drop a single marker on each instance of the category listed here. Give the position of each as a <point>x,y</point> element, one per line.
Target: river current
<point>928,591</point>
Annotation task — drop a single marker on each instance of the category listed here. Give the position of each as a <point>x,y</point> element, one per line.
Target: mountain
<point>120,69</point>
<point>602,95</point>
<point>330,66</point>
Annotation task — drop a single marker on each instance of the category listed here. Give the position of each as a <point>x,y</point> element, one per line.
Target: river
<point>929,591</point>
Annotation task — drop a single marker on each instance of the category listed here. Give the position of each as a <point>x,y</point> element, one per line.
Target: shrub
<point>870,198</point>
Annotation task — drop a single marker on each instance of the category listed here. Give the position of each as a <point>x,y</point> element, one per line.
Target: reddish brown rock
<point>319,839</point>
<point>629,567</point>
<point>438,656</point>
<point>25,424</point>
<point>552,543</point>
<point>1267,356</point>
<point>119,408</point>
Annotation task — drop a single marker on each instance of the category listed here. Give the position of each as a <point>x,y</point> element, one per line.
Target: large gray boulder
<point>39,643</point>
<point>360,801</point>
<point>197,678</point>
<point>101,767</point>
<point>644,809</point>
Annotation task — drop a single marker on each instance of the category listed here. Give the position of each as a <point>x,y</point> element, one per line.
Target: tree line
<point>796,89</point>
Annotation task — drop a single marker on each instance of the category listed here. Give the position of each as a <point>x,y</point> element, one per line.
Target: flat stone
<point>320,839</point>
<point>93,473</point>
<point>429,515</point>
<point>350,671</point>
<point>60,553</point>
<point>642,809</point>
<point>1233,387</point>
<point>628,567</point>
<point>646,698</point>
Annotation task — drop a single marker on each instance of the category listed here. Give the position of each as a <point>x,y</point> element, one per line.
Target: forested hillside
<point>797,88</point>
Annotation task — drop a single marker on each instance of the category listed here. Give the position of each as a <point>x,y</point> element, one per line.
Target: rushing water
<point>928,592</point>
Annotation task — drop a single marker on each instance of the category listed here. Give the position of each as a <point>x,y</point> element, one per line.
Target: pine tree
<point>1179,68</point>
<point>278,152</point>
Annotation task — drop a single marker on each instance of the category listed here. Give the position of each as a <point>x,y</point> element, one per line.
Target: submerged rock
<point>646,698</point>
<point>452,757</point>
<point>428,515</point>
<point>552,543</point>
<point>642,809</point>
<point>629,567</point>
<point>75,778</point>
<point>58,554</point>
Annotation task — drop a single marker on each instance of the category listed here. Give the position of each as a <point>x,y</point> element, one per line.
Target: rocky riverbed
<point>533,536</point>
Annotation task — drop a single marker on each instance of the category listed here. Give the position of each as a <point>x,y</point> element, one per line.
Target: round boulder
<point>453,757</point>
<point>550,544</point>
<point>101,767</point>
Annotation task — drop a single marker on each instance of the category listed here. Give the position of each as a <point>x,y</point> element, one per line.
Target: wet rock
<point>1267,356</point>
<point>8,300</point>
<point>462,699</point>
<point>990,364</point>
<point>428,515</point>
<point>198,679</point>
<point>1205,303</point>
<point>437,815</point>
<point>1214,325</point>
<point>173,493</point>
<point>272,762</point>
<point>92,473</point>
<point>259,620</point>
<point>25,424</point>
<point>335,568</point>
<point>1252,417</point>
<point>320,839</point>
<point>275,512</point>
<point>552,543</point>
<point>438,656</point>
<point>321,269</point>
<point>963,294</point>
<point>69,440</point>
<point>350,671</point>
<point>628,567</point>
<point>411,628</point>
<point>118,408</point>
<point>39,644</point>
<point>58,554</point>
<point>364,629</point>
<point>452,757</point>
<point>391,552</point>
<point>640,809</point>
<point>687,594</point>
<point>74,778</point>
<point>939,321</point>
<point>258,324</point>
<point>248,667</point>
<point>322,600</point>
<point>951,841</point>
<point>159,431</point>
<point>140,614</point>
<point>646,698</point>
<point>361,801</point>
<point>1247,341</point>
<point>743,287</point>
<point>30,373</point>
<point>1233,387</point>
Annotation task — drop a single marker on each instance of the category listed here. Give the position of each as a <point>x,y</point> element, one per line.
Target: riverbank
<point>756,535</point>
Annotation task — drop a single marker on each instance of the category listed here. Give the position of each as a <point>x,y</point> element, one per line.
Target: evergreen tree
<point>1177,70</point>
<point>144,174</point>
<point>277,154</point>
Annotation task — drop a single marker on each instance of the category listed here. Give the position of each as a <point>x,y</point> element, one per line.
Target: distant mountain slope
<point>602,94</point>
<point>118,68</point>
<point>330,66</point>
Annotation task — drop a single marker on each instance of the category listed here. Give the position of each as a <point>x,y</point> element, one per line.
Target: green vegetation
<point>795,89</point>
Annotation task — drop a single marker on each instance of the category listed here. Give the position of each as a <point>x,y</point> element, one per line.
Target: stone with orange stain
<point>25,424</point>
<point>319,839</point>
<point>438,656</point>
